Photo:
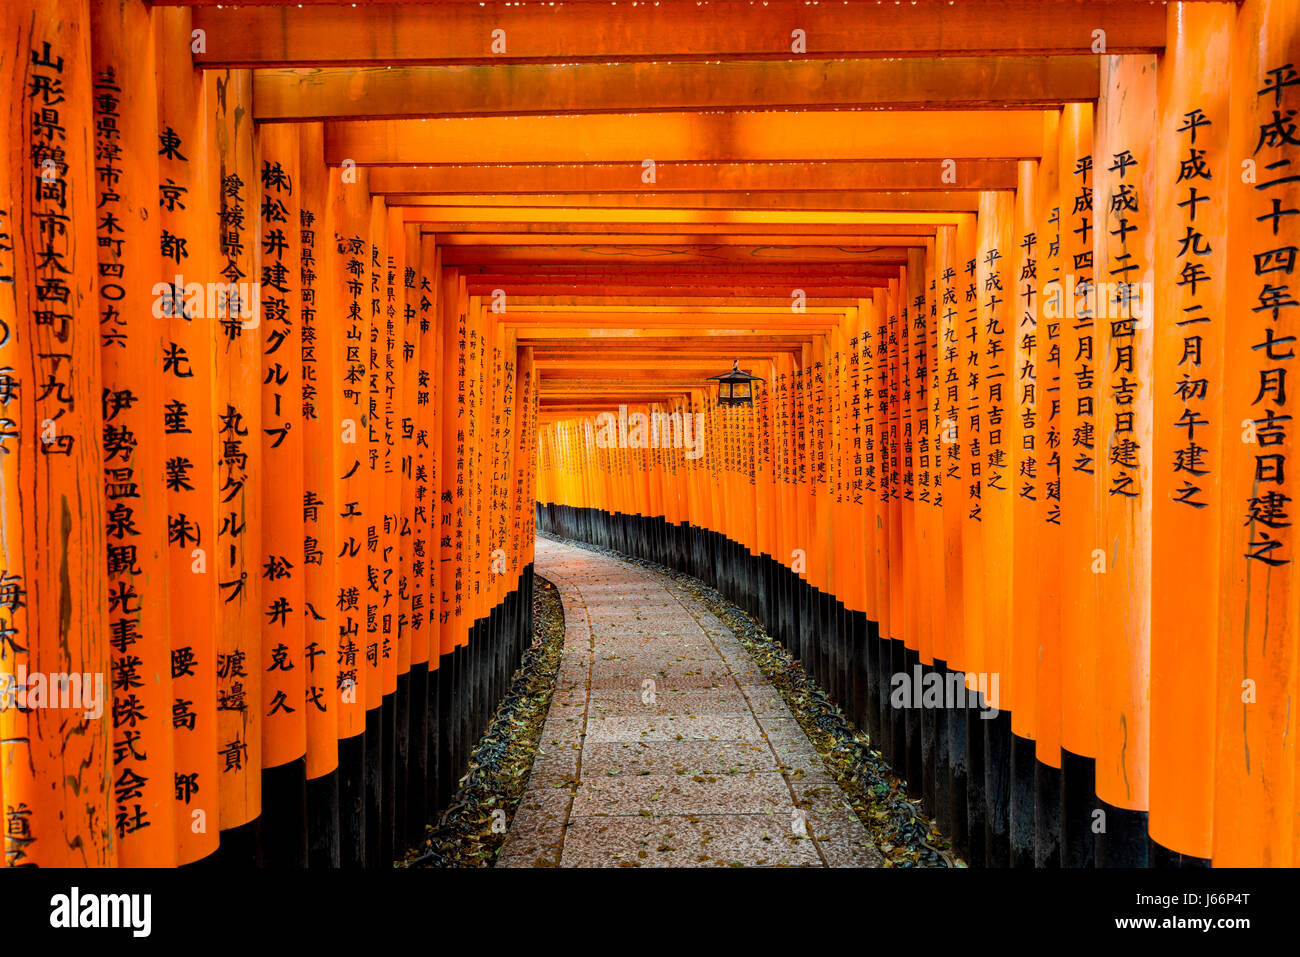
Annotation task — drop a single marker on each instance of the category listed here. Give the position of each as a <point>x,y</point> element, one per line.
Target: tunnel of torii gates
<point>310,315</point>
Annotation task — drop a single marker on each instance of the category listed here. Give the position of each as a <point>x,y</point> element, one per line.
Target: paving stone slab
<point>673,728</point>
<point>660,794</point>
<point>658,701</point>
<point>722,840</point>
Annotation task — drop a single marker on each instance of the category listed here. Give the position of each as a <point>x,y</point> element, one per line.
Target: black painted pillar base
<point>976,782</point>
<point>323,837</point>
<point>860,663</point>
<point>910,767</point>
<point>1023,804</point>
<point>896,663</point>
<point>1124,841</point>
<point>433,746</point>
<point>1159,856</point>
<point>882,659</point>
<point>374,784</point>
<point>447,719</point>
<point>388,793</point>
<point>240,847</point>
<point>401,758</point>
<point>352,801</point>
<point>931,717</point>
<point>942,753</point>
<point>284,815</point>
<point>997,788</point>
<point>1078,779</point>
<point>417,781</point>
<point>1047,814</point>
<point>958,776</point>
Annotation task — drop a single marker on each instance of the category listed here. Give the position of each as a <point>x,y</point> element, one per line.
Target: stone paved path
<point>664,745</point>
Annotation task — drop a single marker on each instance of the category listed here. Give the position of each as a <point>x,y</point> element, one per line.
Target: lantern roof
<point>736,374</point>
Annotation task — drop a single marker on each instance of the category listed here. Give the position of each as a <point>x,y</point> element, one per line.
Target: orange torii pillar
<point>1080,451</point>
<point>929,516</point>
<point>783,550</point>
<point>1256,720</point>
<point>381,644</point>
<point>1124,253</point>
<point>451,529</point>
<point>1048,449</point>
<point>860,485</point>
<point>471,565</point>
<point>413,535</point>
<point>799,426</point>
<point>522,477</point>
<point>349,211</point>
<point>428,526</point>
<point>55,764</point>
<point>926,516</point>
<point>281,565</point>
<point>838,545</point>
<point>397,664</point>
<point>1023,406</point>
<point>972,243</point>
<point>135,419</point>
<point>237,414</point>
<point>322,335</point>
<point>991,384</point>
<point>948,414</point>
<point>911,296</point>
<point>185,216</point>
<point>880,394</point>
<point>1190,434</point>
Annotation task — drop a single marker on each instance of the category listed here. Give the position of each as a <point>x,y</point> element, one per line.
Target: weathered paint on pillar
<point>56,762</point>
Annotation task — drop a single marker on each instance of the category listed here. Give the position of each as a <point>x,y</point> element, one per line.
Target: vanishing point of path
<point>664,745</point>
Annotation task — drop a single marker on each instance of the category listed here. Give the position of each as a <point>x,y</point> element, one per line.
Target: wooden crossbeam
<point>679,274</point>
<point>690,207</point>
<point>533,234</point>
<point>848,293</point>
<point>551,387</point>
<point>569,407</point>
<point>640,325</point>
<point>801,233</point>
<point>703,313</point>
<point>631,276</point>
<point>521,89</point>
<point>382,34</point>
<point>812,177</point>
<point>618,366</point>
<point>686,300</point>
<point>572,332</point>
<point>694,137</point>
<point>547,351</point>
<point>656,250</point>
<point>784,246</point>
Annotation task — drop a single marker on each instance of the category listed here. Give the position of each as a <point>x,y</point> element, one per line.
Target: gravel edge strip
<point>469,833</point>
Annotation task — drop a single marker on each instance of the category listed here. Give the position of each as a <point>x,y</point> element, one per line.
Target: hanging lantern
<point>734,387</point>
